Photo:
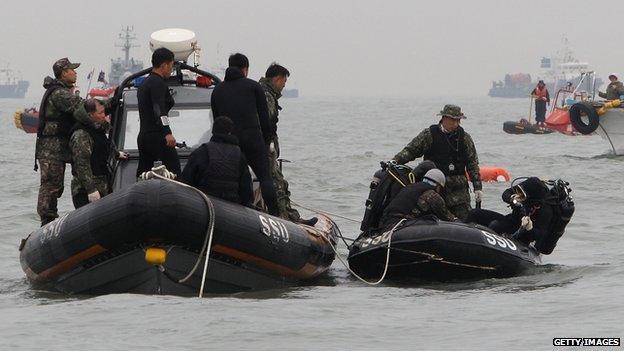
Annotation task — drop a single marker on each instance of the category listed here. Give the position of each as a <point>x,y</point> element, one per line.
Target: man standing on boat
<point>615,89</point>
<point>56,119</point>
<point>454,153</point>
<point>273,83</point>
<point>155,140</point>
<point>542,97</point>
<point>244,101</point>
<point>91,151</point>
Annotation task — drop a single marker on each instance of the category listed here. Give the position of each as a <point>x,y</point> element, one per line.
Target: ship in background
<point>123,67</point>
<point>560,71</point>
<point>12,86</point>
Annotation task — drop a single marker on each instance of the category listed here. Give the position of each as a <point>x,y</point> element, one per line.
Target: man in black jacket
<point>243,100</point>
<point>155,139</point>
<point>219,168</point>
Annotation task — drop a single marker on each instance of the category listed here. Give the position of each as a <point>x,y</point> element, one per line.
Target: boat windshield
<point>191,126</point>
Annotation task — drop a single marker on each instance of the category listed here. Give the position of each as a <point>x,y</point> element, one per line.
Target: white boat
<point>577,111</point>
<point>611,128</point>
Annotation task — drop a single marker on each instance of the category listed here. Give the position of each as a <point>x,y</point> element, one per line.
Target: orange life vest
<point>540,93</point>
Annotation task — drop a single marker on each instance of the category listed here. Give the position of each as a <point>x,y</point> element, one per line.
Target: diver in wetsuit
<point>534,218</point>
<point>419,199</point>
<point>155,140</point>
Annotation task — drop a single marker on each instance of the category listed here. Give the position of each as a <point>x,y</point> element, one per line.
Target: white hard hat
<point>436,176</point>
<point>616,75</point>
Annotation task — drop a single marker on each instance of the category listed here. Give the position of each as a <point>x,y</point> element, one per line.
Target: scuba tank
<point>563,208</point>
<point>383,187</point>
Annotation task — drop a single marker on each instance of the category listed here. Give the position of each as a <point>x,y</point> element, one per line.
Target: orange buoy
<point>494,174</point>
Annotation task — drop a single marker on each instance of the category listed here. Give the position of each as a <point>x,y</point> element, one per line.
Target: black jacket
<point>219,168</point>
<point>242,100</point>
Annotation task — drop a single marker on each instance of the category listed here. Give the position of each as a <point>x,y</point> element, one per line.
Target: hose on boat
<point>209,231</point>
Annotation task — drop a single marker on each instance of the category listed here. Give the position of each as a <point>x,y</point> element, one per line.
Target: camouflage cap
<point>452,111</point>
<point>63,64</point>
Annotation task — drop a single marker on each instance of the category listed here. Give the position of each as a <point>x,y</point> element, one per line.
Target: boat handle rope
<point>209,232</point>
<point>385,271</point>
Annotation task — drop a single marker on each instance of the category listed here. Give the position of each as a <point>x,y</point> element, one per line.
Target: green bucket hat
<point>452,111</point>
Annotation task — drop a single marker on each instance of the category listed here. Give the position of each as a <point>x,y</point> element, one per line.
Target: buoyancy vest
<point>407,200</point>
<point>64,119</point>
<point>448,151</point>
<point>540,93</point>
<point>100,152</point>
<point>221,177</point>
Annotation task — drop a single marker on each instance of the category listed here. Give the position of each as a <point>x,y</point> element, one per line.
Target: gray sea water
<point>335,145</point>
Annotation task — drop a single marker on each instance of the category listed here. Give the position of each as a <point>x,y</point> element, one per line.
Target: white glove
<point>94,196</point>
<point>272,147</point>
<point>478,195</point>
<point>526,223</point>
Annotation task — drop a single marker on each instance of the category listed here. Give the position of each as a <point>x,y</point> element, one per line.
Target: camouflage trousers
<point>281,188</point>
<point>457,196</point>
<point>50,189</point>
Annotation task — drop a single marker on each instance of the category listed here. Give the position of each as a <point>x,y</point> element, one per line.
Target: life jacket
<point>221,176</point>
<point>101,151</point>
<point>407,200</point>
<point>64,119</point>
<point>446,150</point>
<point>383,188</point>
<point>540,93</point>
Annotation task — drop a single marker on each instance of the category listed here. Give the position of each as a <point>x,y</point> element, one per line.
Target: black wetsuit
<point>541,215</point>
<point>243,100</point>
<point>155,101</point>
<point>220,169</point>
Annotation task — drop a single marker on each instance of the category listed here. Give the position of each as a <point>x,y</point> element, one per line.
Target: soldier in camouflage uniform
<point>418,200</point>
<point>91,151</point>
<point>273,83</point>
<point>454,153</point>
<point>56,119</point>
<point>615,89</point>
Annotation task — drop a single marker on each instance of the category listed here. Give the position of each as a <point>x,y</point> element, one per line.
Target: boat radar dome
<point>182,42</point>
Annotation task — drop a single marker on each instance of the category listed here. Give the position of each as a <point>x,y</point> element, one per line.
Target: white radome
<point>181,41</point>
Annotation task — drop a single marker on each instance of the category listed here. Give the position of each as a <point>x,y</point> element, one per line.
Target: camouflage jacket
<point>421,143</point>
<point>272,95</point>
<point>431,202</point>
<point>614,90</point>
<point>61,102</point>
<point>81,145</point>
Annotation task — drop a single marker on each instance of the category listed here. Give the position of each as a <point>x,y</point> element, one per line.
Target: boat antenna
<point>128,37</point>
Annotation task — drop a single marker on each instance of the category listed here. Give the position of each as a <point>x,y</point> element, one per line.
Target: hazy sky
<point>331,47</point>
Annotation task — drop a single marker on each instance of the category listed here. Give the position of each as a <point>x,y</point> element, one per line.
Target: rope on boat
<point>325,212</point>
<point>386,265</point>
<point>209,231</point>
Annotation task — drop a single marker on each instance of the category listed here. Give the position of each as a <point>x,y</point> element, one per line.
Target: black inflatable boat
<point>109,246</point>
<point>436,250</point>
<point>151,237</point>
<point>427,248</point>
<point>513,127</point>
